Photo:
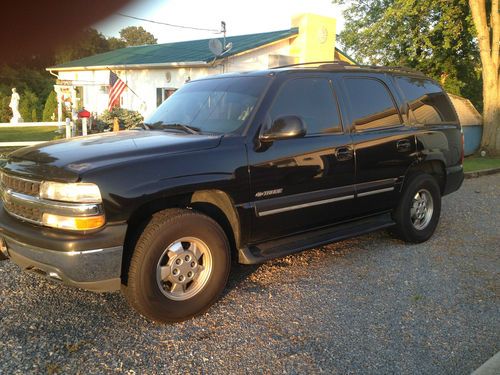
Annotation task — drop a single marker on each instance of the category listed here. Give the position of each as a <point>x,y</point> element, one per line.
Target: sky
<point>241,17</point>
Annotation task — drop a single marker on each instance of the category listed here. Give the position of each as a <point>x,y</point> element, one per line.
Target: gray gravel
<point>367,305</point>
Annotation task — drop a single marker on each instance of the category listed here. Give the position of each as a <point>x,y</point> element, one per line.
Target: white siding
<point>144,82</point>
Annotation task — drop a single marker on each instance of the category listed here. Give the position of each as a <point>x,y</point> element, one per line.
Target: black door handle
<point>403,145</point>
<point>344,153</point>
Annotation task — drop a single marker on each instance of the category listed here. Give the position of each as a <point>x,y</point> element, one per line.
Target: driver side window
<point>313,100</point>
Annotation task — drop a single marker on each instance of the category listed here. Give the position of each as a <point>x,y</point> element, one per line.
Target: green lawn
<point>476,163</point>
<point>32,133</point>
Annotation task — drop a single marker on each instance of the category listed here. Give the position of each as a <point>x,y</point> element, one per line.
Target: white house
<point>153,72</point>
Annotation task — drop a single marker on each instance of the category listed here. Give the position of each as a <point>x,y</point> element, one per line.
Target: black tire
<point>405,227</point>
<point>143,291</point>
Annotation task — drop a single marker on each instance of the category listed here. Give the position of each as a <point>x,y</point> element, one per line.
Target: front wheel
<point>418,211</point>
<point>179,267</point>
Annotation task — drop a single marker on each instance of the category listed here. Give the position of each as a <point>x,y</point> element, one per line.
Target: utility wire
<point>170,24</point>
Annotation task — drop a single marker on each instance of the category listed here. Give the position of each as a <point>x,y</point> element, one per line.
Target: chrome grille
<point>19,185</point>
<point>32,214</point>
<point>30,188</point>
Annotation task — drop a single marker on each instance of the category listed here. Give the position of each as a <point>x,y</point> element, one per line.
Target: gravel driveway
<point>368,305</point>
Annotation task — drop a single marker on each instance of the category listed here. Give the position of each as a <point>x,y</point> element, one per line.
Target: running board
<point>260,253</point>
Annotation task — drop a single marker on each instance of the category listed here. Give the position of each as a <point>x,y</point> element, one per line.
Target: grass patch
<point>477,163</point>
<point>31,133</point>
<point>416,297</point>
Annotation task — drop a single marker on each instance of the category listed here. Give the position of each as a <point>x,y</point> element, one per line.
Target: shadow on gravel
<point>239,273</point>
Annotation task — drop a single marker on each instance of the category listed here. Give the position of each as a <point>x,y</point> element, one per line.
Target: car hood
<point>67,159</point>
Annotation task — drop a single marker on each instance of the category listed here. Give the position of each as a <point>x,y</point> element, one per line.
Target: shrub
<point>5,111</point>
<point>50,108</point>
<point>28,103</point>
<point>127,118</point>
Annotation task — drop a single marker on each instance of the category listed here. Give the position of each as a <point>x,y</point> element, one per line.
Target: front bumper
<point>97,270</point>
<point>91,261</point>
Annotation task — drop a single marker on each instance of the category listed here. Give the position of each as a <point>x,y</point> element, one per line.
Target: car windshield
<point>220,105</point>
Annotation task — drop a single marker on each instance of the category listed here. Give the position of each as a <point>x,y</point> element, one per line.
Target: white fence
<point>26,125</point>
<point>30,124</point>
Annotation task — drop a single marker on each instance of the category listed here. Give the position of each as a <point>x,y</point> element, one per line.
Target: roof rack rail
<point>345,65</point>
<point>336,62</point>
<point>390,68</point>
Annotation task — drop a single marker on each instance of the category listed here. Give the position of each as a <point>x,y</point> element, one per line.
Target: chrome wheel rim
<point>421,209</point>
<point>184,268</point>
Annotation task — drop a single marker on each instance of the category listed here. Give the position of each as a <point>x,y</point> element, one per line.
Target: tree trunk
<point>488,36</point>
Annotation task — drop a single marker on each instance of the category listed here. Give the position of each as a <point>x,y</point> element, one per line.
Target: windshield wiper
<point>186,128</point>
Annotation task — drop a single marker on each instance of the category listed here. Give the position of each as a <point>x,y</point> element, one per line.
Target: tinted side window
<point>313,100</point>
<point>427,100</point>
<point>371,104</point>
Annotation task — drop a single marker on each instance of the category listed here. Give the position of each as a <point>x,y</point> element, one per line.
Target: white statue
<point>14,105</point>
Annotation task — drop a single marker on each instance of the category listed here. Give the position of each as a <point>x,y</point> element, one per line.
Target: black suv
<point>249,166</point>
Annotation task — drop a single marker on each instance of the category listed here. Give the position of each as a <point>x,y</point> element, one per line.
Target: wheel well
<point>214,203</point>
<point>433,167</point>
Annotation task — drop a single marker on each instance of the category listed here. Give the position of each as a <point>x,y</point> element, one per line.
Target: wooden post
<point>116,125</point>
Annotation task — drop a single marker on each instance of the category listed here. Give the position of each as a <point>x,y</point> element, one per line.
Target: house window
<point>163,94</point>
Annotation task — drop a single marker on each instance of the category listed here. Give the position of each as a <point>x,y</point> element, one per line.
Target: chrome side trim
<point>378,191</point>
<point>304,205</point>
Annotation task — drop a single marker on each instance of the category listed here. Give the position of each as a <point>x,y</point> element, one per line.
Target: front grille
<point>19,185</point>
<point>9,183</point>
<point>32,214</point>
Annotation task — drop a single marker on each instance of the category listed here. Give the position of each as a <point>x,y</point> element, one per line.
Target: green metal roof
<point>180,52</point>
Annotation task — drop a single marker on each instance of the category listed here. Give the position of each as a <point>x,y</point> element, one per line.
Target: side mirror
<point>283,128</point>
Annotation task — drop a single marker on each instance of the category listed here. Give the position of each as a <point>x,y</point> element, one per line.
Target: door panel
<point>299,184</point>
<point>381,163</point>
<point>384,146</point>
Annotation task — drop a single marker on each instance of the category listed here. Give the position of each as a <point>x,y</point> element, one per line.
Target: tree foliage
<point>90,42</point>
<point>116,43</point>
<point>136,36</point>
<point>434,36</point>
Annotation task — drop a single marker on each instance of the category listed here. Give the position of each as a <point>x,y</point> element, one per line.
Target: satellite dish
<point>215,46</point>
<point>228,47</point>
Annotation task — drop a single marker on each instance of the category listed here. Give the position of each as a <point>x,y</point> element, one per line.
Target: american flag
<point>116,87</point>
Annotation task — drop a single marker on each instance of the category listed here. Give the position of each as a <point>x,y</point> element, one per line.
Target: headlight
<point>76,192</point>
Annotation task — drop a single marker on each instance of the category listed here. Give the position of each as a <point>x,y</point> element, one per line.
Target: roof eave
<point>190,64</point>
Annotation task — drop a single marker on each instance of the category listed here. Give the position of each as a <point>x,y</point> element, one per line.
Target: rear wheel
<point>418,211</point>
<point>179,267</point>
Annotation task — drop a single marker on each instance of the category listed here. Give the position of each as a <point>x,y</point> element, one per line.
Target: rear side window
<point>427,100</point>
<point>313,100</point>
<point>371,103</point>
